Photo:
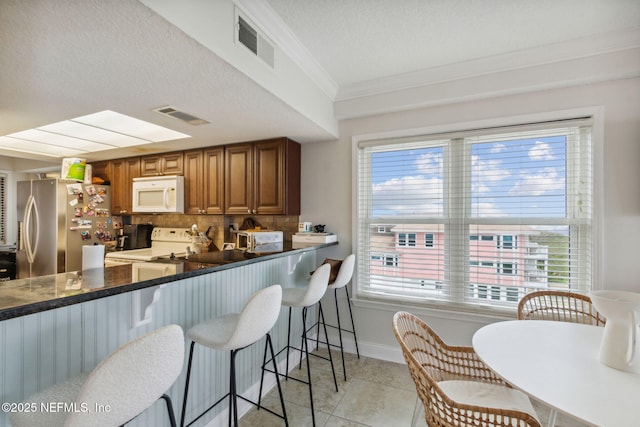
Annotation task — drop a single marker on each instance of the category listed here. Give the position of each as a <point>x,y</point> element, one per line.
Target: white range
<point>164,242</point>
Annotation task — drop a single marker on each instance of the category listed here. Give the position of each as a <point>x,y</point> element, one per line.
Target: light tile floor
<point>376,394</point>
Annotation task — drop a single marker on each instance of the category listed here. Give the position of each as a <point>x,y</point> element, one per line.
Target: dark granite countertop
<point>27,296</point>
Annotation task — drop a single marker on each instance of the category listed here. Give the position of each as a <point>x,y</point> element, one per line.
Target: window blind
<point>476,217</point>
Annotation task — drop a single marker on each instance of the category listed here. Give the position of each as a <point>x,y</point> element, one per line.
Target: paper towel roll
<point>92,256</point>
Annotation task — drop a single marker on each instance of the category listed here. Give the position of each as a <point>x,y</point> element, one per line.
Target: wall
<point>327,188</point>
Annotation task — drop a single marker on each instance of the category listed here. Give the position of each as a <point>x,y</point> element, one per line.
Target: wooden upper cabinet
<point>162,164</point>
<point>204,178</point>
<point>122,173</point>
<point>238,179</point>
<point>214,180</point>
<point>255,178</point>
<point>263,178</point>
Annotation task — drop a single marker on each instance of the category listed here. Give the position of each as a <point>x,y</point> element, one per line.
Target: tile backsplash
<point>220,224</point>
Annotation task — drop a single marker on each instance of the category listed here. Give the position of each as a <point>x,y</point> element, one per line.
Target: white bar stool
<point>234,332</point>
<point>345,273</point>
<point>305,298</point>
<point>129,381</point>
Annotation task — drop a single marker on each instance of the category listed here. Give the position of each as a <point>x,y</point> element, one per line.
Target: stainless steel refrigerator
<point>55,219</point>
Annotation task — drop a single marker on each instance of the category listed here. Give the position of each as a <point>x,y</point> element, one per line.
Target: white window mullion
<point>456,206</point>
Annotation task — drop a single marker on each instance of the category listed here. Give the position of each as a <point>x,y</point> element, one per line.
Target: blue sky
<point>521,177</point>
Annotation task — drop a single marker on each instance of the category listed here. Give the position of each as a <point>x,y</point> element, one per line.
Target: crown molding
<point>618,65</point>
<point>558,52</point>
<point>263,15</point>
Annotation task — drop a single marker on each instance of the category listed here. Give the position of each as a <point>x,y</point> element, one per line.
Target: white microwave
<point>158,194</point>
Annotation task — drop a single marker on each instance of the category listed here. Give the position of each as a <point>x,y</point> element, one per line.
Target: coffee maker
<point>135,236</point>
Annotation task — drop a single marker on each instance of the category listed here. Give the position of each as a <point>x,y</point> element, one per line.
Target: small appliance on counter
<point>135,236</point>
<point>259,241</point>
<point>7,264</point>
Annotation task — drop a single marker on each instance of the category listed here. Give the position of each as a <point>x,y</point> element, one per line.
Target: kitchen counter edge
<point>200,265</point>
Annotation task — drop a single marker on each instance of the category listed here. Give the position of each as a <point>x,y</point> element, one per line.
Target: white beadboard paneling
<point>49,347</point>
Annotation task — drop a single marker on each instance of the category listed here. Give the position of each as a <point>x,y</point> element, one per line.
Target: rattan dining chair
<point>559,305</point>
<point>456,388</point>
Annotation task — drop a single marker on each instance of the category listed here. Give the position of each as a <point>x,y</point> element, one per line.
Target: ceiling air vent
<point>181,115</point>
<point>249,36</point>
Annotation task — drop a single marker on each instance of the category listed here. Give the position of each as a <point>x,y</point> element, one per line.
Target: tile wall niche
<point>220,223</point>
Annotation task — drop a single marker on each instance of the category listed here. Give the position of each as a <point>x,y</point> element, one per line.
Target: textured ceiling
<point>359,40</point>
<point>63,59</point>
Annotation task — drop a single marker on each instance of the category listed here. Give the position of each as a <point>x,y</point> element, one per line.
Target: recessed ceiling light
<point>94,132</point>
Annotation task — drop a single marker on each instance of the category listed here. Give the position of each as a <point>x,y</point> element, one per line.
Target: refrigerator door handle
<point>31,208</point>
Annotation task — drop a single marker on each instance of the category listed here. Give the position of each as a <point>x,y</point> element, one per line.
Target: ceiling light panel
<point>32,147</point>
<point>129,126</point>
<point>92,133</point>
<point>63,141</point>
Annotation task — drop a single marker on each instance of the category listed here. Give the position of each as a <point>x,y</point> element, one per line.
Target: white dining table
<point>557,364</point>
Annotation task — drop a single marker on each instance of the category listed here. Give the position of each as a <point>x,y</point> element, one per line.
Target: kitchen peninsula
<point>53,328</point>
<point>27,296</point>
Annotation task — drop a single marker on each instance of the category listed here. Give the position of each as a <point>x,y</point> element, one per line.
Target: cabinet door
<point>162,164</point>
<point>277,177</point>
<point>269,177</point>
<point>193,182</point>
<point>123,171</point>
<point>172,164</point>
<point>151,165</point>
<point>238,179</point>
<point>214,180</point>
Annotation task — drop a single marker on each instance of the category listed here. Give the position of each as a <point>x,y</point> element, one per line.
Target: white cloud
<point>409,195</point>
<point>541,151</point>
<point>546,180</point>
<point>486,173</point>
<point>497,148</point>
<point>429,163</point>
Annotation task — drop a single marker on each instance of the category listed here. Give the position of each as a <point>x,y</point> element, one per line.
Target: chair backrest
<point>257,318</point>
<point>345,272</point>
<point>559,305</point>
<point>130,379</point>
<point>430,361</point>
<point>317,286</point>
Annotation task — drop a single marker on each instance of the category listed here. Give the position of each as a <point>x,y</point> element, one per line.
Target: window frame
<point>596,117</point>
<point>4,210</point>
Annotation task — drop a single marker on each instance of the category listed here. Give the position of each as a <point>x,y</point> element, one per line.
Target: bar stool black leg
<point>186,386</point>
<point>333,371</point>
<point>233,399</point>
<point>172,415</point>
<point>353,326</point>
<point>305,344</point>
<point>344,368</point>
<point>275,370</point>
<point>286,374</point>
